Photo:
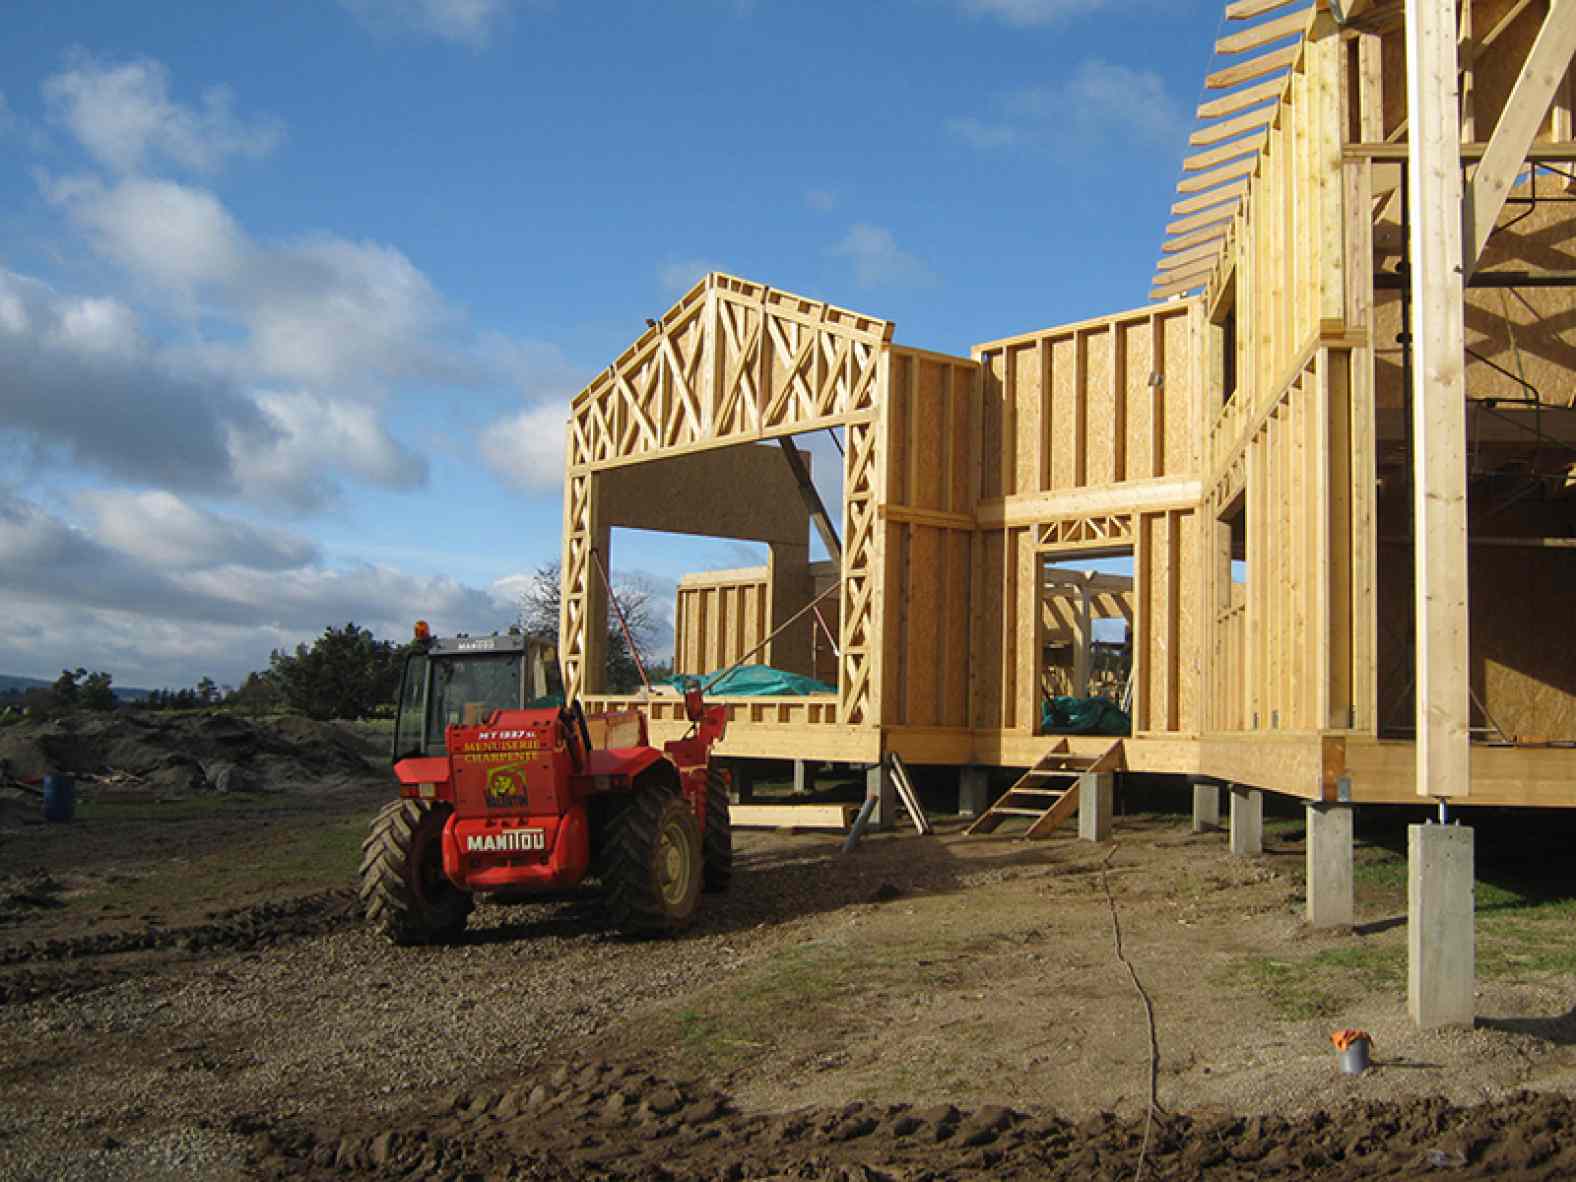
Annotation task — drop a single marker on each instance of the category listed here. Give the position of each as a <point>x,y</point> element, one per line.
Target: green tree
<point>96,692</point>
<point>346,673</point>
<point>207,691</point>
<point>65,689</point>
<point>258,694</point>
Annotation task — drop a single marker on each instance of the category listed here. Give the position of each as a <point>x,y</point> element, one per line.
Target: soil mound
<point>173,754</point>
<point>600,1121</point>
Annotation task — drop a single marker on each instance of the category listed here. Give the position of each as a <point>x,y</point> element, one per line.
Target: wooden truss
<point>733,362</point>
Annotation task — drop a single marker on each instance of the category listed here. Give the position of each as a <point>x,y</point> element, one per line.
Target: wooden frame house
<point>1250,442</point>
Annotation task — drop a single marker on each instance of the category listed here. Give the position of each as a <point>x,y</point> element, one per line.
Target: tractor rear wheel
<point>406,895</point>
<point>717,845</point>
<point>652,865</point>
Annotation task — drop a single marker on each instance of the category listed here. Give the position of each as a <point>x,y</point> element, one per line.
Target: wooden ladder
<point>1047,793</point>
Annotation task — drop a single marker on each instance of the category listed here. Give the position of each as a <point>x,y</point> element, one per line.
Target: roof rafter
<point>1244,147</point>
<point>1205,200</point>
<point>1254,67</point>
<point>1213,134</point>
<point>1230,104</point>
<point>1259,35</point>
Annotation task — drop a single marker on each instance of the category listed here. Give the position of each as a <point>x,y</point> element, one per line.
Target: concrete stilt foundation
<point>879,785</point>
<point>1440,939</point>
<point>1096,803</point>
<point>1206,807</point>
<point>1329,857</point>
<point>804,776</point>
<point>743,781</point>
<point>973,790</point>
<point>1247,821</point>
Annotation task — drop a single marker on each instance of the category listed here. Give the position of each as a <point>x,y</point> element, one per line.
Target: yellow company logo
<point>508,780</point>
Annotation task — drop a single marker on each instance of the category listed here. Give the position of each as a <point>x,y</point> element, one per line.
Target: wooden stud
<point>1438,424</point>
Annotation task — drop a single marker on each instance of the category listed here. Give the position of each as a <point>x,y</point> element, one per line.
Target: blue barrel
<point>60,798</point>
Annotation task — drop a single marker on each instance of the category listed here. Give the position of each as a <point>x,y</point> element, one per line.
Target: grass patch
<point>1288,987</point>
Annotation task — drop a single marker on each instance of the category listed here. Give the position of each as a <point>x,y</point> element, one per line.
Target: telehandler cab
<point>496,794</point>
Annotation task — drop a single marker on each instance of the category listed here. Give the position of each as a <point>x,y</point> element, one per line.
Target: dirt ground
<point>186,990</point>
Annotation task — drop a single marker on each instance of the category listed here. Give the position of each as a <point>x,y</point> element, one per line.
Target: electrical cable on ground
<point>1149,1012</point>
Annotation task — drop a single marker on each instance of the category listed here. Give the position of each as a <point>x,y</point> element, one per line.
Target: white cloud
<point>81,378</point>
<point>1031,12</point>
<point>463,22</point>
<point>313,435</point>
<point>1098,103</point>
<point>173,236</point>
<point>682,274</point>
<point>124,116</point>
<point>153,618</point>
<point>821,200</point>
<point>162,529</point>
<point>318,309</point>
<point>526,449</point>
<point>979,134</point>
<point>879,261</point>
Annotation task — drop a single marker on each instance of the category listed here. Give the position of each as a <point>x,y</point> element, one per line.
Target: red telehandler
<point>496,795</point>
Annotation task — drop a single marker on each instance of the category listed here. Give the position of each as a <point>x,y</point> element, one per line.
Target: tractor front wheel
<point>652,866</point>
<point>406,895</point>
<point>718,842</point>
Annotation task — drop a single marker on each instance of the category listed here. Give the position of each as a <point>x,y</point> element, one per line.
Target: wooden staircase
<point>1047,794</point>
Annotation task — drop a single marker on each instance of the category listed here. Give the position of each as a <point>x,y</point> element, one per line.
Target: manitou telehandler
<point>496,795</point>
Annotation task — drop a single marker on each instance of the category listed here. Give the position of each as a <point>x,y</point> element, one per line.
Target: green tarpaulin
<point>1084,716</point>
<point>758,681</point>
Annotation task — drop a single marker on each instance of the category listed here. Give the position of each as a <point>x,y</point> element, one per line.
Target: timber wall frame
<point>1245,426</point>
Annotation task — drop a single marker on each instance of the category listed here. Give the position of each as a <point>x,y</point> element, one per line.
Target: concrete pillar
<point>1096,803</point>
<point>879,785</point>
<point>1440,941</point>
<point>1247,821</point>
<point>804,776</point>
<point>743,781</point>
<point>1329,855</point>
<point>1206,807</point>
<point>973,790</point>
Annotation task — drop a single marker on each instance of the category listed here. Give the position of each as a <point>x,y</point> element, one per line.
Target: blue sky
<point>293,295</point>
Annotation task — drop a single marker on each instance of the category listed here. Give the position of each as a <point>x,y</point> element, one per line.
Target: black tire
<point>403,888</point>
<point>651,863</point>
<point>717,846</point>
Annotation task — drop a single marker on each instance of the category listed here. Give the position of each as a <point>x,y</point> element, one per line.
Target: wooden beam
<point>1545,69</point>
<point>1214,196</point>
<point>1230,104</point>
<point>791,816</point>
<point>1170,289</point>
<point>1187,241</point>
<point>1346,11</point>
<point>1198,162</point>
<point>1246,10</point>
<point>1220,215</point>
<point>1189,258</point>
<point>1258,35</point>
<point>1254,67</point>
<point>1224,130</point>
<point>1439,453</point>
<point>1206,180</point>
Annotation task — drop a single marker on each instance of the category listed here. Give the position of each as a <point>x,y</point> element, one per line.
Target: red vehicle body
<point>522,800</point>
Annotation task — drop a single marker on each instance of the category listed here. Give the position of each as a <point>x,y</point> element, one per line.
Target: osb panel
<point>957,548</point>
<point>1190,632</point>
<point>991,413</point>
<point>1177,389</point>
<point>899,411</point>
<point>988,634</point>
<point>1524,660</point>
<point>1025,363</point>
<point>928,432</point>
<point>925,653</point>
<point>1062,435</point>
<point>1100,407</point>
<point>960,401</point>
<point>1138,346</point>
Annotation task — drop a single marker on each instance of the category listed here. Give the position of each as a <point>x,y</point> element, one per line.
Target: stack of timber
<point>1046,794</point>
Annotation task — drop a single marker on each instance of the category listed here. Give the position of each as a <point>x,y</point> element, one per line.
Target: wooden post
<point>1083,642</point>
<point>1438,398</point>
